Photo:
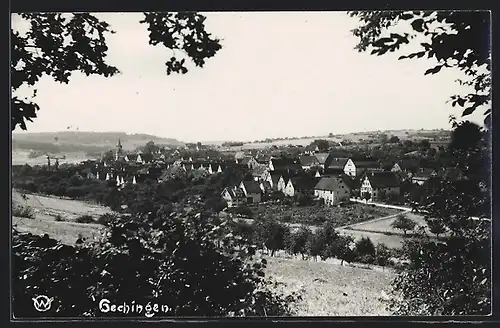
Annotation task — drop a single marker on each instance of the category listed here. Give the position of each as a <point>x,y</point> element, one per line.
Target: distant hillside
<point>354,136</point>
<point>74,141</point>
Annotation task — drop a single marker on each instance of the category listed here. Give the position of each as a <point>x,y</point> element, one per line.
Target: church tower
<point>119,149</point>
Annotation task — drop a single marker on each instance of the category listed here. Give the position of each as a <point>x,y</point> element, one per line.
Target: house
<point>248,161</point>
<point>215,168</point>
<point>308,161</point>
<point>354,168</point>
<point>283,181</point>
<point>336,155</point>
<point>300,184</point>
<point>376,185</point>
<point>332,190</point>
<point>332,172</point>
<point>423,175</point>
<point>321,158</point>
<point>282,164</point>
<point>252,191</point>
<point>273,178</point>
<point>337,163</point>
<point>450,173</point>
<point>259,172</point>
<point>439,144</point>
<point>145,158</point>
<point>239,155</point>
<point>265,186</point>
<point>407,165</point>
<point>233,196</point>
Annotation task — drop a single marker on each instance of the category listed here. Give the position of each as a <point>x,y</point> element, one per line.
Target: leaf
<point>433,70</point>
<point>406,16</point>
<point>468,111</point>
<point>427,46</point>
<point>418,25</point>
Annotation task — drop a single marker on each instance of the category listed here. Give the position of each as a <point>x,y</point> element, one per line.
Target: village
<point>327,174</point>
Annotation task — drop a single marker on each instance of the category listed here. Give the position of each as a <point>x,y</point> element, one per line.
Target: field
<point>47,208</point>
<point>331,289</point>
<point>21,157</point>
<point>318,214</point>
<point>353,137</point>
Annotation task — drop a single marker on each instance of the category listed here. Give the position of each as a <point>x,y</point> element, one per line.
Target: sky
<point>278,74</point>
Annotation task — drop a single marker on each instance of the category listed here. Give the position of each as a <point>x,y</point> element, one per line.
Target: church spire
<point>119,149</point>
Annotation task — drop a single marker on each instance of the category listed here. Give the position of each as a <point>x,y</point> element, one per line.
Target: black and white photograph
<point>227,164</point>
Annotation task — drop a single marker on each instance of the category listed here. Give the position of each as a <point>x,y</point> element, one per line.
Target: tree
<point>297,241</point>
<point>364,246</point>
<point>59,45</point>
<point>322,144</point>
<point>453,275</point>
<point>382,255</point>
<point>424,145</point>
<point>383,138</point>
<point>403,223</point>
<point>108,156</point>
<point>394,139</point>
<point>437,227</point>
<point>455,39</point>
<point>273,234</point>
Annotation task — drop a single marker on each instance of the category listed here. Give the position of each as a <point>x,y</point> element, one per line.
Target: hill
<point>414,135</point>
<point>88,142</point>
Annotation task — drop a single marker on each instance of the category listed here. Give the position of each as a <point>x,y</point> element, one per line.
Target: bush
<point>382,255</point>
<point>107,218</point>
<point>85,219</point>
<point>23,211</point>
<point>242,210</point>
<point>58,218</point>
<point>189,264</point>
<point>365,250</point>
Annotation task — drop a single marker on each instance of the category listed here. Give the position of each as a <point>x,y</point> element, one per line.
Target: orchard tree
<point>60,44</point>
<point>403,223</point>
<point>454,39</point>
<point>297,241</point>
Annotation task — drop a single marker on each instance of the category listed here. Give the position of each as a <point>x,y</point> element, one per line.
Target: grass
<point>57,218</point>
<point>332,289</point>
<point>52,205</point>
<point>23,211</point>
<point>66,232</point>
<point>384,226</point>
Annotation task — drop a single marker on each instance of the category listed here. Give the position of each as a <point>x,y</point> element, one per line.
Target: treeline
<point>47,147</point>
<point>325,242</point>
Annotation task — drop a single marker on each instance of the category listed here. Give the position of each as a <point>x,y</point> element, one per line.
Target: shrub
<point>85,219</point>
<point>189,264</point>
<point>58,217</point>
<point>364,248</point>
<point>23,211</point>
<point>382,255</point>
<point>106,218</point>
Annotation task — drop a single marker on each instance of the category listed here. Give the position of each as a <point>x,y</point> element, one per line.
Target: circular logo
<point>42,303</point>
